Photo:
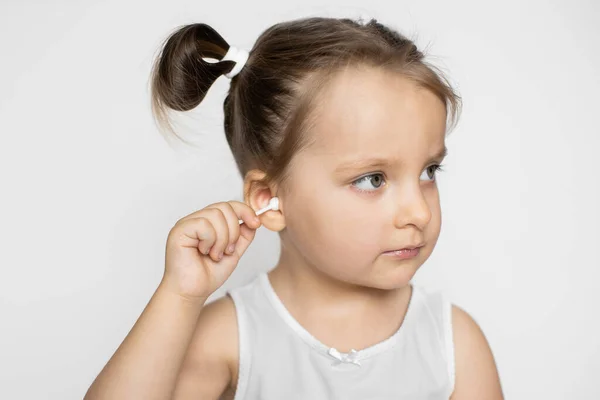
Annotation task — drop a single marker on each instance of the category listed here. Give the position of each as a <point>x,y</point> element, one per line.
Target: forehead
<point>370,111</point>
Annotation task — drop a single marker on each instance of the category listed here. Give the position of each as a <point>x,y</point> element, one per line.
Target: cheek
<point>338,231</point>
<point>433,228</point>
<point>356,225</point>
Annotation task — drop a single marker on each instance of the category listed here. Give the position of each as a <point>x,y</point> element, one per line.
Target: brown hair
<point>267,108</point>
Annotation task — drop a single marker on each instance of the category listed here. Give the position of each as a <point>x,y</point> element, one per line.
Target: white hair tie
<point>240,57</point>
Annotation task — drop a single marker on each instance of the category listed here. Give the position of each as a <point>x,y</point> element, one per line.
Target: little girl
<point>344,123</point>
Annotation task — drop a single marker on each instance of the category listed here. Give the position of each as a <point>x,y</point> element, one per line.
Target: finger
<point>208,231</point>
<point>217,218</point>
<point>196,233</point>
<point>246,237</point>
<point>244,234</point>
<point>197,213</point>
<point>233,228</point>
<point>241,209</point>
<point>232,225</point>
<point>246,214</point>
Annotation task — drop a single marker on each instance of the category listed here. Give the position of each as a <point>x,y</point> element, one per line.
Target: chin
<point>383,279</point>
<point>396,274</point>
<point>395,279</point>
<point>384,274</point>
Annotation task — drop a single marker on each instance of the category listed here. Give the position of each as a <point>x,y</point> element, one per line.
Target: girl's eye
<point>432,170</point>
<point>369,183</point>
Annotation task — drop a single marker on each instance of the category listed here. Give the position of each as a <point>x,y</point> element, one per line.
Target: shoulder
<point>218,323</point>
<point>476,372</point>
<point>210,365</point>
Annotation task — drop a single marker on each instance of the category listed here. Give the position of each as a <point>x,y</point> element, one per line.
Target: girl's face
<point>366,184</point>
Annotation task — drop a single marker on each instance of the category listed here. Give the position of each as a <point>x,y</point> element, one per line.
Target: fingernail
<point>230,248</point>
<point>220,256</point>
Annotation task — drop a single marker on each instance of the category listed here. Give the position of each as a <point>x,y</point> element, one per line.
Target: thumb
<point>247,235</point>
<point>247,229</point>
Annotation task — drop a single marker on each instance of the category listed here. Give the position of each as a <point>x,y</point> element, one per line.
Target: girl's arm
<point>202,251</point>
<point>148,363</point>
<point>476,373</point>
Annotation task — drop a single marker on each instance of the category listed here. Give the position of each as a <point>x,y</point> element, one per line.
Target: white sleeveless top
<point>279,359</point>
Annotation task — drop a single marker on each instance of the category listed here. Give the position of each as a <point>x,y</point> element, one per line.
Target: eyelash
<point>438,168</point>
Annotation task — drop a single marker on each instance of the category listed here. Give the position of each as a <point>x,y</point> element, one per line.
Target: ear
<point>257,194</point>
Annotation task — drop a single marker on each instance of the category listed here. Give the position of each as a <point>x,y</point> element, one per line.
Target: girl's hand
<point>204,248</point>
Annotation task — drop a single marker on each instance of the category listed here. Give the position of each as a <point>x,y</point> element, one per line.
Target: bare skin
<point>337,217</point>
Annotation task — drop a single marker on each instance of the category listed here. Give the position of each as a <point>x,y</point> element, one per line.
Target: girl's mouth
<point>403,254</point>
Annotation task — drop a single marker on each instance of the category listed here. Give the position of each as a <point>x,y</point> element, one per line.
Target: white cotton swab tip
<point>273,205</point>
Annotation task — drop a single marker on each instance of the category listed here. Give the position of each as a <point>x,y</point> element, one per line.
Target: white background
<point>90,189</point>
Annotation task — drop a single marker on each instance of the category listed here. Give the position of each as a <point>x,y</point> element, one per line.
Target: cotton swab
<point>273,205</point>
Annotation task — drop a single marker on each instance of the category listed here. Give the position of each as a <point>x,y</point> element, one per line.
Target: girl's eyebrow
<point>376,162</point>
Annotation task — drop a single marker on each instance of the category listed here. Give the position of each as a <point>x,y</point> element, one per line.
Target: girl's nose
<point>412,207</point>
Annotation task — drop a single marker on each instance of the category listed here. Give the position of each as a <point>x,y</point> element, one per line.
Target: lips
<point>409,247</point>
<point>403,254</point>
